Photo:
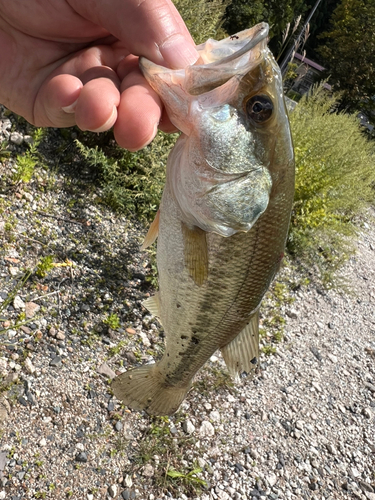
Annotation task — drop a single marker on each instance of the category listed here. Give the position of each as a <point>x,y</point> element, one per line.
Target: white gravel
<point>304,428</point>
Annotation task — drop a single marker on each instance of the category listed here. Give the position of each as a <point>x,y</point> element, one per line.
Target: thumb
<point>150,28</point>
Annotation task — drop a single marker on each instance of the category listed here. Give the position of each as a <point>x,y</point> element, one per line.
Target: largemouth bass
<point>224,214</point>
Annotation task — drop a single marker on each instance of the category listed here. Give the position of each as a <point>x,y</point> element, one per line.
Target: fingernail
<point>109,123</point>
<point>71,108</point>
<point>178,53</point>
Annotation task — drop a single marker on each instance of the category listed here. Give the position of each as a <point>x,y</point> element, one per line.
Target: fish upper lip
<point>261,34</point>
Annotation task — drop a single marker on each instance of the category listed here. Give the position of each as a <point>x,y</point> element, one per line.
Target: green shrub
<point>131,182</point>
<point>335,175</point>
<point>203,18</point>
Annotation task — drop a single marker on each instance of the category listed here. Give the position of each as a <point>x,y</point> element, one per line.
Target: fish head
<point>236,143</point>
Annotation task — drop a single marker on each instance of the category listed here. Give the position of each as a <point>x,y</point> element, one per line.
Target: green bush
<point>335,176</point>
<point>131,182</point>
<point>203,18</point>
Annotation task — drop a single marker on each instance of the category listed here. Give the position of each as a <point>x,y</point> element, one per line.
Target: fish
<point>224,215</point>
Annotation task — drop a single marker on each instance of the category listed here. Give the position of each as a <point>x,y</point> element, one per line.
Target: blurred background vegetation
<point>334,159</point>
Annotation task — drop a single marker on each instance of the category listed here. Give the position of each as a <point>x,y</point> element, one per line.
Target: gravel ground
<point>304,428</point>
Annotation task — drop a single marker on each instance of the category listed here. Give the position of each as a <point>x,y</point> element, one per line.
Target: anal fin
<point>195,253</point>
<point>242,353</point>
<point>152,233</point>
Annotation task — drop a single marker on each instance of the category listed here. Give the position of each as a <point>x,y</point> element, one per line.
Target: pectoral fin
<point>195,253</point>
<point>152,233</point>
<point>242,354</point>
<point>153,304</point>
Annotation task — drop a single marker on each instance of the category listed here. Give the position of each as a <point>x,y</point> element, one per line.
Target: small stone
<point>118,426</point>
<point>206,429</point>
<point>104,369</point>
<point>366,412</point>
<point>369,495</point>
<point>292,313</point>
<point>331,448</point>
<point>29,366</point>
<point>81,457</point>
<point>31,309</point>
<point>90,496</point>
<point>16,138</point>
<point>215,416</point>
<point>126,494</point>
<point>55,362</point>
<point>13,271</point>
<point>188,427</point>
<point>128,482</point>
<point>2,495</point>
<point>42,442</point>
<point>148,470</point>
<point>365,487</point>
<point>173,430</point>
<point>271,479</point>
<point>60,335</point>
<point>316,353</point>
<point>130,356</point>
<point>263,416</point>
<point>370,387</point>
<point>131,331</point>
<point>355,472</point>
<point>112,491</point>
<point>316,386</point>
<point>222,495</point>
<point>332,357</point>
<point>18,303</point>
<point>28,139</point>
<point>3,365</point>
<point>299,425</point>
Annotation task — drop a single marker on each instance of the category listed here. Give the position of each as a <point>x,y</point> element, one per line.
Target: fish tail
<point>145,388</point>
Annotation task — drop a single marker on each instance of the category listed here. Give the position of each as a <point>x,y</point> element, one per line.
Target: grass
<point>164,451</point>
<point>26,162</point>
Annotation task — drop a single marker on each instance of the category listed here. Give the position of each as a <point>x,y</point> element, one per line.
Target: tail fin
<point>145,388</point>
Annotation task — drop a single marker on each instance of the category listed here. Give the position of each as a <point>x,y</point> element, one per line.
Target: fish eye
<point>259,108</point>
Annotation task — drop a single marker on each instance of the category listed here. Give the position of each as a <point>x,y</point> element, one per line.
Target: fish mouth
<point>220,61</point>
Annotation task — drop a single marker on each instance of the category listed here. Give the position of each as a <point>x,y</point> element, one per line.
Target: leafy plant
<point>44,266</point>
<point>27,162</point>
<point>113,321</point>
<point>189,478</point>
<point>335,178</point>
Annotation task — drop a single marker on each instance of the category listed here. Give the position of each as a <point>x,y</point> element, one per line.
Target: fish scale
<point>223,217</point>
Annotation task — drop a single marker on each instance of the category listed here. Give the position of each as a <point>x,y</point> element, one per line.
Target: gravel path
<point>304,428</point>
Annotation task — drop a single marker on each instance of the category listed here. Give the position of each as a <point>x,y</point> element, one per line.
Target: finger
<point>129,65</point>
<point>82,87</point>
<point>151,28</point>
<point>165,123</point>
<point>139,113</point>
<point>61,92</point>
<point>96,108</point>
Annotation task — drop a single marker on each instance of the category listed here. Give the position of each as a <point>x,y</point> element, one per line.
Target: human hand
<point>75,62</point>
